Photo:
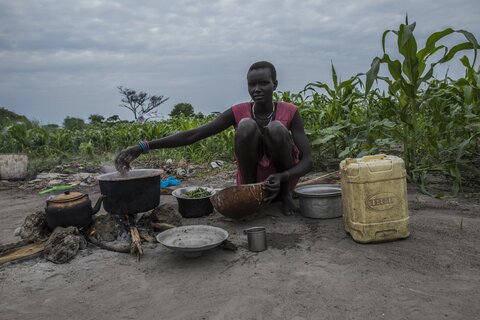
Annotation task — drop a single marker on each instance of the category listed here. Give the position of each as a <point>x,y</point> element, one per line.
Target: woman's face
<point>261,85</point>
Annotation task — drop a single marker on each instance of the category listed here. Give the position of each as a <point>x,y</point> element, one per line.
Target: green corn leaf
<point>407,69</point>
<point>407,44</point>
<point>468,94</point>
<point>430,47</point>
<point>372,74</point>
<point>384,35</point>
<point>408,89</point>
<point>344,153</point>
<point>406,34</point>
<point>334,77</point>
<point>320,85</point>
<point>455,49</point>
<point>424,182</point>
<point>428,75</point>
<point>350,83</point>
<point>323,140</point>
<point>394,66</point>
<point>471,38</point>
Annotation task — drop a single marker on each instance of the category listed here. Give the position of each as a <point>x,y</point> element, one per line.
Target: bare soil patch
<point>311,270</point>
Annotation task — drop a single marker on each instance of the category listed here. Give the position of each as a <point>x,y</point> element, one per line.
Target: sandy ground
<point>311,270</point>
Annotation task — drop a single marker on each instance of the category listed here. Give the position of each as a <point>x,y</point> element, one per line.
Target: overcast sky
<point>67,58</point>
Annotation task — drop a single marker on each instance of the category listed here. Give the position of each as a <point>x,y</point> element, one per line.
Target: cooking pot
<point>71,209</point>
<point>193,207</point>
<point>320,201</point>
<point>132,192</point>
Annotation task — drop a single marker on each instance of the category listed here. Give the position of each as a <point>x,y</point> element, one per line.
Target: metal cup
<point>257,238</point>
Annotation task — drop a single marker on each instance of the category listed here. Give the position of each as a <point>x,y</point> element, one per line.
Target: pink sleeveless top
<point>284,113</point>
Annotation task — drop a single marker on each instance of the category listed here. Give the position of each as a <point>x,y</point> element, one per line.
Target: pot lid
<point>67,196</point>
<point>318,191</point>
<point>130,175</point>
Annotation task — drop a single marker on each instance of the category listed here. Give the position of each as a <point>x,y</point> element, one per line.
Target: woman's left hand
<point>123,159</point>
<point>272,185</point>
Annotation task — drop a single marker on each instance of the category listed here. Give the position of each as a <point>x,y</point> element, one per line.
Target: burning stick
<point>161,226</point>
<point>136,245</point>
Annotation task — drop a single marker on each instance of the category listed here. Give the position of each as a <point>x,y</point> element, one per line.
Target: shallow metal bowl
<point>320,201</point>
<point>192,240</point>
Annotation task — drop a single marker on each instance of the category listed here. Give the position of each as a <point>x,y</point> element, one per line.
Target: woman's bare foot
<point>288,205</point>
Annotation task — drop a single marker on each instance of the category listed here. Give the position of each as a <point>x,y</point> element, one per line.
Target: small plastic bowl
<point>193,207</point>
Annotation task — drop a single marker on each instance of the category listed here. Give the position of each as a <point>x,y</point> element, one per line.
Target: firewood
<point>136,245</point>
<point>136,242</point>
<point>112,246</point>
<point>145,236</point>
<point>22,252</point>
<point>161,226</point>
<point>165,191</point>
<point>4,248</point>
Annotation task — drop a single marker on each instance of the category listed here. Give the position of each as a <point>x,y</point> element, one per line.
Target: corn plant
<point>408,79</point>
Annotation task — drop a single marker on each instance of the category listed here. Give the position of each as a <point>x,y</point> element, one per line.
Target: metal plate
<point>192,240</point>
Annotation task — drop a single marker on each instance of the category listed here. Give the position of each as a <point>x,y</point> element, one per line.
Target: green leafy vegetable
<point>197,193</point>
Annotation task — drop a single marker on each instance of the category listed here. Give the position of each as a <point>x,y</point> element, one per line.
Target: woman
<point>270,142</point>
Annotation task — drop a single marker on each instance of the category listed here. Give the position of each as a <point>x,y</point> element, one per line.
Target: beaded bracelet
<point>144,146</point>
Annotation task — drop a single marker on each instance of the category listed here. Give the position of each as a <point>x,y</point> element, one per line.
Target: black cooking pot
<point>70,209</point>
<point>133,192</point>
<point>193,207</point>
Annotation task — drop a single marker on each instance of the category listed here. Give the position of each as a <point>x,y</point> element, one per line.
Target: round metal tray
<point>192,240</point>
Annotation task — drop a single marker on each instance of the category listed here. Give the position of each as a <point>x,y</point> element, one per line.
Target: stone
<point>63,244</point>
<point>166,213</point>
<point>35,227</point>
<point>55,182</point>
<point>105,227</point>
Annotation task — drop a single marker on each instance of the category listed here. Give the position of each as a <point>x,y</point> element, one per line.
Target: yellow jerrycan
<point>374,198</point>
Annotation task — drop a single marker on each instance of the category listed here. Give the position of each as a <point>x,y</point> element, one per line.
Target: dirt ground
<point>311,270</point>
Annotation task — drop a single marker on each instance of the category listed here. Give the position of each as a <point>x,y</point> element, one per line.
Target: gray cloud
<point>60,58</point>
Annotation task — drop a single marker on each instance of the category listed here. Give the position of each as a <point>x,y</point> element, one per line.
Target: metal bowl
<point>193,207</point>
<point>192,240</point>
<point>320,201</point>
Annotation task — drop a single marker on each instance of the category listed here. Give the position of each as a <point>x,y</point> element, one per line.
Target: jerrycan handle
<point>374,157</point>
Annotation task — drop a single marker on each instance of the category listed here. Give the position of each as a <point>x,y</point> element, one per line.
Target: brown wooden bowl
<point>239,201</point>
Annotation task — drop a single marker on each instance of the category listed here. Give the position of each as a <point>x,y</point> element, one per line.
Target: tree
<point>50,126</point>
<point>71,123</point>
<point>96,119</point>
<point>113,119</point>
<point>139,103</point>
<point>7,116</point>
<point>182,108</point>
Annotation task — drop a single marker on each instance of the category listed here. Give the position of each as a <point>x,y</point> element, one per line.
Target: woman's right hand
<point>125,157</point>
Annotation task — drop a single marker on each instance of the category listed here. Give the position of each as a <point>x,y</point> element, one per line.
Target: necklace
<point>269,117</point>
